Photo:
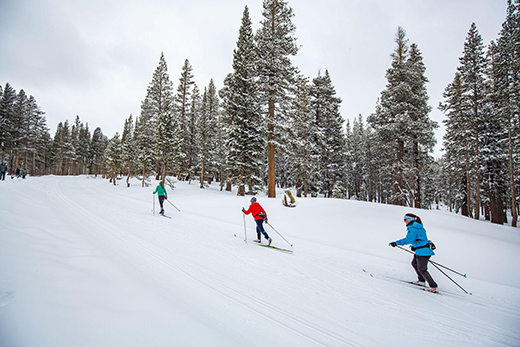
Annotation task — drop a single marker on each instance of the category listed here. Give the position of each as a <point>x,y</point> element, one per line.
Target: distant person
<point>3,170</point>
<point>161,193</point>
<point>416,236</point>
<point>260,216</point>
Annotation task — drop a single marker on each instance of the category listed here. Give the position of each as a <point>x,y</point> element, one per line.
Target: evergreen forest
<point>270,127</point>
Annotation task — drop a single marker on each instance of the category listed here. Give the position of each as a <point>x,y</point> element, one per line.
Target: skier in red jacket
<point>260,216</point>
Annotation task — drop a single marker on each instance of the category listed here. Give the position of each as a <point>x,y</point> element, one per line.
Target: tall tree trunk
<point>477,178</point>
<point>271,182</point>
<point>202,174</point>
<point>417,195</point>
<point>512,181</point>
<point>398,183</point>
<point>144,172</point>
<point>468,186</point>
<point>33,163</point>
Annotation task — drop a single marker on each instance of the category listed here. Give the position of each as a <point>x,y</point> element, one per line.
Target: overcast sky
<point>95,58</point>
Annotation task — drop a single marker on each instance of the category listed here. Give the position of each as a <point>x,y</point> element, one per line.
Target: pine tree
<point>114,157</point>
<point>457,145</point>
<point>158,112</point>
<point>191,133</point>
<point>472,70</point>
<point>128,150</point>
<point>331,138</point>
<point>421,130</point>
<point>207,125</point>
<point>402,125</point>
<point>305,158</point>
<point>391,118</point>
<point>37,136</point>
<point>144,137</point>
<point>98,144</point>
<point>17,128</point>
<point>492,149</point>
<point>275,44</point>
<point>181,111</point>
<point>7,103</point>
<point>507,78</point>
<point>244,140</point>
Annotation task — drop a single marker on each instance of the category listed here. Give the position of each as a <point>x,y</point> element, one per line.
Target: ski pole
<point>451,279</point>
<point>431,261</point>
<point>173,205</point>
<point>245,234</point>
<point>278,233</point>
<point>153,196</point>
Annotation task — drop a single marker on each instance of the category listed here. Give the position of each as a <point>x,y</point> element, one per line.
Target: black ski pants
<point>161,201</point>
<point>420,265</point>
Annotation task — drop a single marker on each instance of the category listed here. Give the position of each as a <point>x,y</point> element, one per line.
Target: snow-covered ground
<point>85,263</point>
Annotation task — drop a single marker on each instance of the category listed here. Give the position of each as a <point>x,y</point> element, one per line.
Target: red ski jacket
<point>256,209</point>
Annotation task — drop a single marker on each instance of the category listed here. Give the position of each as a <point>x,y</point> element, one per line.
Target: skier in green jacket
<point>161,193</point>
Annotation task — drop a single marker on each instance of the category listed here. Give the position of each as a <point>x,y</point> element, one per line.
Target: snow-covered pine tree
<point>192,146</point>
<point>507,76</point>
<point>390,121</point>
<point>275,44</point>
<point>159,106</point>
<point>357,145</point>
<point>63,150</point>
<point>457,146</point>
<point>244,140</point>
<point>17,129</point>
<point>472,73</point>
<point>331,137</point>
<point>422,128</point>
<point>402,123</point>
<point>84,146</point>
<point>38,138</point>
<point>304,147</point>
<point>74,134</point>
<point>144,137</point>
<point>97,148</point>
<point>207,125</point>
<point>6,114</point>
<point>493,150</point>
<point>113,158</point>
<point>128,150</point>
<point>181,109</point>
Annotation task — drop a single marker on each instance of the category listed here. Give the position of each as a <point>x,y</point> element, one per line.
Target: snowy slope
<point>84,263</point>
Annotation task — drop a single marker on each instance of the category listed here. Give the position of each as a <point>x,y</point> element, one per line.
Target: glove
<point>243,209</point>
<point>265,219</point>
<point>393,244</point>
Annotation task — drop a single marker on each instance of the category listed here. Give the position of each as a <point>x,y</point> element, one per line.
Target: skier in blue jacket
<point>416,236</point>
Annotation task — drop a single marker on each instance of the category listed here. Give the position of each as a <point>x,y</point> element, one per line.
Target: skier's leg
<point>161,202</point>
<point>260,226</point>
<point>420,277</point>
<point>422,266</point>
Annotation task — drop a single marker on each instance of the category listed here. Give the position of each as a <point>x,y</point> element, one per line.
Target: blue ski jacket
<point>416,237</point>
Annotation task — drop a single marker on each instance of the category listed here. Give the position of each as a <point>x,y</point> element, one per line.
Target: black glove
<point>393,244</point>
<point>265,219</point>
<point>243,209</point>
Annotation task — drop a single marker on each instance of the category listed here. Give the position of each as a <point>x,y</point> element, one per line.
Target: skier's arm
<point>410,237</point>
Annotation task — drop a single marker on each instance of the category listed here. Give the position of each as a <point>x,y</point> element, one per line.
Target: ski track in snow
<point>317,296</point>
<point>211,282</point>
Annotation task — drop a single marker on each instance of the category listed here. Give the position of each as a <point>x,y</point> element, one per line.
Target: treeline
<point>25,141</point>
<point>270,126</point>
